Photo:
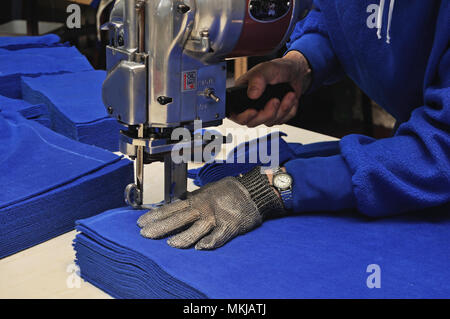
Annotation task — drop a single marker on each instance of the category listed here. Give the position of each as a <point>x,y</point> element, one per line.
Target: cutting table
<point>48,270</point>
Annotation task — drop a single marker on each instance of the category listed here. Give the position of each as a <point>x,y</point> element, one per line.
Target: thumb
<point>257,79</point>
<point>256,87</point>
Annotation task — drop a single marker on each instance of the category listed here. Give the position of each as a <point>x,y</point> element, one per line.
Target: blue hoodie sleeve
<point>409,171</point>
<point>310,37</point>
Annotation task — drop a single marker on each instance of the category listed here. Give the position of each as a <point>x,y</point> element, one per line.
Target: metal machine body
<point>166,69</point>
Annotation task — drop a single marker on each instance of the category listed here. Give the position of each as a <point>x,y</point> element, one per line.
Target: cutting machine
<point>166,63</point>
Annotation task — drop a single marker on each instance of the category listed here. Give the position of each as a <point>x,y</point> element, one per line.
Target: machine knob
<point>212,95</point>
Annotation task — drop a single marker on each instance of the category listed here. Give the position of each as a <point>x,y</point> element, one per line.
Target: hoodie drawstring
<point>391,9</point>
<point>380,19</point>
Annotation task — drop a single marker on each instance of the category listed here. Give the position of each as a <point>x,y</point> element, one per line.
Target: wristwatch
<point>282,182</point>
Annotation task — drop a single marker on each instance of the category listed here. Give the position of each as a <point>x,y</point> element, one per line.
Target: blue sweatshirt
<point>398,54</point>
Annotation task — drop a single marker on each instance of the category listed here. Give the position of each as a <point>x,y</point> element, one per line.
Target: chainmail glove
<point>215,213</point>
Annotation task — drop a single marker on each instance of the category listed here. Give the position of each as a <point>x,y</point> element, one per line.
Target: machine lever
<point>237,100</point>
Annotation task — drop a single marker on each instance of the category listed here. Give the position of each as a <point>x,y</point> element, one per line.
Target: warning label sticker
<point>189,80</point>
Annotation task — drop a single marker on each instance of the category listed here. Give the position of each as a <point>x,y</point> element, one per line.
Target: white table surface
<point>48,270</point>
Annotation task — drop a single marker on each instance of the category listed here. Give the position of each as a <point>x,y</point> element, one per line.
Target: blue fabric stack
<point>76,107</point>
<point>59,82</point>
<point>49,181</point>
<point>305,256</point>
<point>38,113</point>
<point>323,255</point>
<point>18,43</point>
<point>34,62</point>
<point>9,82</point>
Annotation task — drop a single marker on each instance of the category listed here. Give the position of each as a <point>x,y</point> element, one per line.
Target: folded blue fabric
<point>76,106</point>
<point>57,52</point>
<point>304,256</point>
<point>35,62</point>
<point>48,181</point>
<point>38,113</point>
<point>247,155</point>
<point>18,43</point>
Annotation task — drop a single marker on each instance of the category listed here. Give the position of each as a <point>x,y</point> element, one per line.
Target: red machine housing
<point>261,37</point>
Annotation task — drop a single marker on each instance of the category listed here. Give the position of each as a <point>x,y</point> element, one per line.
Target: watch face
<point>282,181</point>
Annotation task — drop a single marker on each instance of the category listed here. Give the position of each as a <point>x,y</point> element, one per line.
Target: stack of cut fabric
<point>26,47</point>
<point>304,256</point>
<point>34,62</point>
<point>38,112</point>
<point>49,181</point>
<point>18,43</point>
<point>59,80</point>
<point>76,107</point>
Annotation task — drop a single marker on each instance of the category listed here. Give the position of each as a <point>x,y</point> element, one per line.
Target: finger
<point>283,109</point>
<point>244,117</point>
<point>218,237</point>
<point>292,113</point>
<point>255,71</point>
<point>161,228</point>
<point>286,106</point>
<point>257,79</point>
<point>271,122</point>
<point>190,236</point>
<point>162,212</point>
<point>256,86</point>
<point>288,102</point>
<point>266,115</point>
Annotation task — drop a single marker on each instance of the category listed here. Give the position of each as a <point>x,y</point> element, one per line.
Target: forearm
<point>321,184</point>
<point>310,38</point>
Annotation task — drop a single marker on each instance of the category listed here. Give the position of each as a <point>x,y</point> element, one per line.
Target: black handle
<point>238,100</point>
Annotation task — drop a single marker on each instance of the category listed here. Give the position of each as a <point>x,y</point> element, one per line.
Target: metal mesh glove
<point>209,217</point>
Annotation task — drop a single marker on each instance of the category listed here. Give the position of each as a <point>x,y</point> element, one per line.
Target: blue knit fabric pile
<point>326,255</point>
<point>59,81</point>
<point>309,255</point>
<point>48,180</point>
<point>74,101</point>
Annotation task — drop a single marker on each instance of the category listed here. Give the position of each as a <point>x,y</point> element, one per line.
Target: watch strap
<point>286,196</point>
<point>261,192</point>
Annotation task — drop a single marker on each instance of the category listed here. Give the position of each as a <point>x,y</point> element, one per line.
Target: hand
<point>292,68</point>
<point>214,214</point>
